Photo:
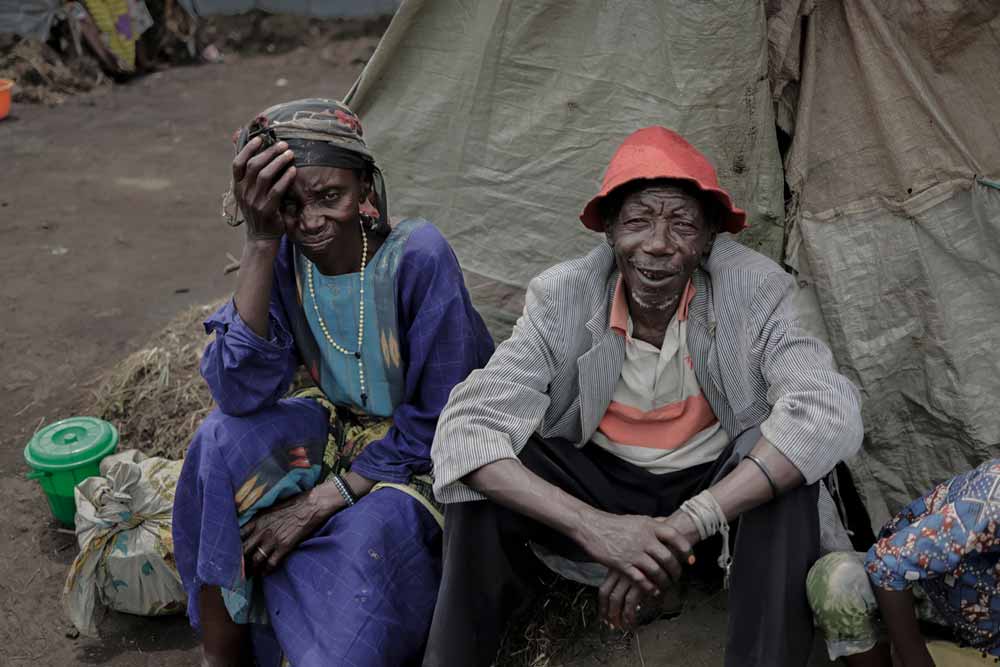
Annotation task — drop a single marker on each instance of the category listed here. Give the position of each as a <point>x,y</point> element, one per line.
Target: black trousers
<point>490,573</point>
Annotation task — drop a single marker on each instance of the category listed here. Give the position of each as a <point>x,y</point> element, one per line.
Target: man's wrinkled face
<point>659,237</point>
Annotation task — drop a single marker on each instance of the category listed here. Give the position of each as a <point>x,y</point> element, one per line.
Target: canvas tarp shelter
<point>893,166</point>
<point>496,119</point>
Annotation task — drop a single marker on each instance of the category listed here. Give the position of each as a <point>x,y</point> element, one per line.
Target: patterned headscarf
<point>320,133</point>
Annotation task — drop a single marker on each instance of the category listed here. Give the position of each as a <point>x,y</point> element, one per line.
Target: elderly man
<point>653,394</point>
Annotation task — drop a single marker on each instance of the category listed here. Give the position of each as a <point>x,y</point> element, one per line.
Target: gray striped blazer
<point>557,371</point>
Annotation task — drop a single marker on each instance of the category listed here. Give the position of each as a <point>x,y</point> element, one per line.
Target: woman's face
<point>321,210</point>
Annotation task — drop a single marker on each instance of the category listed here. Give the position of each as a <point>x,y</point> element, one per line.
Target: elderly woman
<point>309,520</point>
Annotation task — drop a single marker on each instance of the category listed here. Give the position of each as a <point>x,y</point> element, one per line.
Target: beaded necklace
<point>361,315</point>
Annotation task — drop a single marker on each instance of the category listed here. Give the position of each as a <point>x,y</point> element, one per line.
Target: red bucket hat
<point>656,152</point>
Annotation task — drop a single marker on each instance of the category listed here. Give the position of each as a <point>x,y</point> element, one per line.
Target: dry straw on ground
<point>42,76</point>
<point>559,629</point>
<point>156,396</point>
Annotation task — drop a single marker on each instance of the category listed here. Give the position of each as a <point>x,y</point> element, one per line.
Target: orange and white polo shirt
<point>658,418</point>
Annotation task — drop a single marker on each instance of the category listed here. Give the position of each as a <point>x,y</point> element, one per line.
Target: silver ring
<point>263,553</point>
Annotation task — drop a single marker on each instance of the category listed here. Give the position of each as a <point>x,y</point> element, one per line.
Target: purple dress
<point>361,591</point>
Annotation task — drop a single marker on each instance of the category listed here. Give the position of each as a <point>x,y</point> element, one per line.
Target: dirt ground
<point>109,220</point>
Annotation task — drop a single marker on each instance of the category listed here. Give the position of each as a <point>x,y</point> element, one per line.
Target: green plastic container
<point>65,453</point>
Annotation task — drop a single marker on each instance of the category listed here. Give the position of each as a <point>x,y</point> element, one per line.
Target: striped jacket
<point>557,372</point>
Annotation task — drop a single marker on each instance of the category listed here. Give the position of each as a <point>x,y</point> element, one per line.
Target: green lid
<point>70,443</point>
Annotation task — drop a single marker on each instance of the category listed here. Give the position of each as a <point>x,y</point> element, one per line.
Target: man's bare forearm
<point>253,289</point>
<point>509,483</point>
<point>746,486</point>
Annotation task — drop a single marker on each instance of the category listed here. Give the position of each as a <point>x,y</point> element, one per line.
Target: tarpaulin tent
<point>893,166</point>
<point>495,120</point>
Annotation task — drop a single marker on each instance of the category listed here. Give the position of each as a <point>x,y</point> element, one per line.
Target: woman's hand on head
<point>260,180</point>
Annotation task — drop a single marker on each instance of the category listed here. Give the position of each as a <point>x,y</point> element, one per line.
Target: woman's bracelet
<point>344,489</point>
<point>767,473</point>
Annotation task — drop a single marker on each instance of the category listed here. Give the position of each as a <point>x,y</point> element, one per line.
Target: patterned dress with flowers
<point>947,542</point>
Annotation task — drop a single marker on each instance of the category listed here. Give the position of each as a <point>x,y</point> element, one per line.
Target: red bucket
<point>6,85</point>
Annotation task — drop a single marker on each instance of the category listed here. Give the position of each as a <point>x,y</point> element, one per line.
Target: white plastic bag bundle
<point>123,524</point>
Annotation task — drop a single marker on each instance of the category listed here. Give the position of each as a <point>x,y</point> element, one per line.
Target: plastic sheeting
<point>896,235</point>
<point>123,525</point>
<point>495,120</point>
<point>318,8</point>
<point>28,18</point>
